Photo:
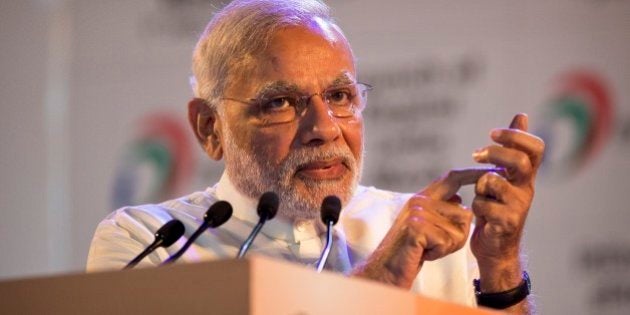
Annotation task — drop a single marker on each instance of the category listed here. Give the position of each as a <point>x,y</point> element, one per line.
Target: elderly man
<point>277,97</point>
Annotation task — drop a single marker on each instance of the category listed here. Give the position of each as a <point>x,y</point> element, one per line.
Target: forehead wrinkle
<point>275,63</point>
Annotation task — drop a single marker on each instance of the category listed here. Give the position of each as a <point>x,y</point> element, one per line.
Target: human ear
<point>206,126</point>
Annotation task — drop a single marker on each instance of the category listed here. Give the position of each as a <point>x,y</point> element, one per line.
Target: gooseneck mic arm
<point>331,207</point>
<point>217,214</point>
<point>164,237</point>
<point>267,209</point>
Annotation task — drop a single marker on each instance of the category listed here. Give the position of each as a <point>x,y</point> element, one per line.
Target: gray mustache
<point>299,159</point>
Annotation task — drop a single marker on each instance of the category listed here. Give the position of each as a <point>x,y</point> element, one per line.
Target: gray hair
<point>238,33</point>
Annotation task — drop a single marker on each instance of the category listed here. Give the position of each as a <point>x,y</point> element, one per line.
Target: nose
<point>317,125</point>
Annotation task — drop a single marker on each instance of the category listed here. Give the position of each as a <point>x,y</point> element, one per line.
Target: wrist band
<point>505,299</point>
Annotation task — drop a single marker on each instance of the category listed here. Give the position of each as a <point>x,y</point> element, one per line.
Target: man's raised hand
<point>502,202</point>
<point>432,224</point>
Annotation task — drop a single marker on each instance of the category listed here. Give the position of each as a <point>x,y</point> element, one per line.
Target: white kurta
<point>362,225</point>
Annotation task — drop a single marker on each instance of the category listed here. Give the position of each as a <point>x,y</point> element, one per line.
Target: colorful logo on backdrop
<point>577,122</point>
<point>157,164</point>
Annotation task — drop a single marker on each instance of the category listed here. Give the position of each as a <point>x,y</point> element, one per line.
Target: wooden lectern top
<point>256,285</point>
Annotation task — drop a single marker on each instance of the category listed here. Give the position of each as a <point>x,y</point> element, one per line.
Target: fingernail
<point>480,155</point>
<point>495,133</point>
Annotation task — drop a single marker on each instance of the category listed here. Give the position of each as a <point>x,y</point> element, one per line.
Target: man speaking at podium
<point>277,97</point>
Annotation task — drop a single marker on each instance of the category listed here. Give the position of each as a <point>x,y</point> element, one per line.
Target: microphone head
<point>331,207</point>
<point>218,213</point>
<point>170,232</point>
<point>268,205</point>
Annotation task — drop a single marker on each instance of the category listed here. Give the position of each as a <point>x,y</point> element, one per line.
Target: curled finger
<point>497,216</point>
<point>454,213</point>
<point>494,186</point>
<point>517,164</point>
<point>523,141</point>
<point>436,242</point>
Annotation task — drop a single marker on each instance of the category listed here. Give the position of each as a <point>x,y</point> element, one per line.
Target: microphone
<point>164,237</point>
<point>267,209</point>
<point>217,214</point>
<point>331,207</point>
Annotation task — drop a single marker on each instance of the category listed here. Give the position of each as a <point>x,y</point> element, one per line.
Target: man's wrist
<point>498,275</point>
<point>504,299</point>
<point>375,269</point>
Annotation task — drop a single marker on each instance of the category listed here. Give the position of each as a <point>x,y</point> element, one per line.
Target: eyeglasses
<point>343,101</point>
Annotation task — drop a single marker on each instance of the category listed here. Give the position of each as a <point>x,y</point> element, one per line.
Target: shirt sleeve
<point>118,239</point>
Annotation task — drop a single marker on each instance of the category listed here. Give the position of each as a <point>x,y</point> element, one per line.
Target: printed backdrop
<point>93,117</point>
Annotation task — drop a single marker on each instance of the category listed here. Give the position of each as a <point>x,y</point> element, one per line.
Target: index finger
<point>447,186</point>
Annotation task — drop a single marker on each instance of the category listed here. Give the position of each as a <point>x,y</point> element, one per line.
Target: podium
<point>255,285</point>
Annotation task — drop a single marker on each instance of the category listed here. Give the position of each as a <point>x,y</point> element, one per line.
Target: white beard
<point>254,175</point>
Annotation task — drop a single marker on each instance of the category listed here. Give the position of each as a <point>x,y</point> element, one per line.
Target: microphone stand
<point>329,239</point>
<point>251,237</point>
